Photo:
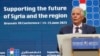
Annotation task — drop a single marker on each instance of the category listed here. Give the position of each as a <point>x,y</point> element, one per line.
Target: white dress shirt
<point>74,28</point>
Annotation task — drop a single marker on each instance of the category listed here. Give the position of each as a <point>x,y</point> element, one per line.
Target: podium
<point>69,42</point>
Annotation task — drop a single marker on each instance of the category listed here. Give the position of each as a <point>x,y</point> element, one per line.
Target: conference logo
<point>13,52</point>
<point>91,10</point>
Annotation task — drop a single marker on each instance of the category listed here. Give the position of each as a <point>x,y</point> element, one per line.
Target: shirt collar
<point>74,26</point>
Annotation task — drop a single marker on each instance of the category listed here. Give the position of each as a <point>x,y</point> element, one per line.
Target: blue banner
<point>85,43</point>
<point>30,27</point>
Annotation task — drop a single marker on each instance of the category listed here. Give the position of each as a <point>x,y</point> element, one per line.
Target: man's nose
<point>75,16</point>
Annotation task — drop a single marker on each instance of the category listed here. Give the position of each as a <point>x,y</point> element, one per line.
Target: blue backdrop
<point>40,37</point>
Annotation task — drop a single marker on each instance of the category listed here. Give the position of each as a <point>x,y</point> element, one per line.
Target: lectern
<point>79,44</point>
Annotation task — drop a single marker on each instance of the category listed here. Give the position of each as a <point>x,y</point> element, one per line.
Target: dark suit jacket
<point>86,29</point>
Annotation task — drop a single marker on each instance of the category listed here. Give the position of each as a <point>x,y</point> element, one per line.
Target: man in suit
<point>78,26</point>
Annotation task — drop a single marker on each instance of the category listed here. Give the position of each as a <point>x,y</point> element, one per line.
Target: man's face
<point>77,17</point>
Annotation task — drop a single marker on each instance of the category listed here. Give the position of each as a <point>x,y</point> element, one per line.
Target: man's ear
<point>83,17</point>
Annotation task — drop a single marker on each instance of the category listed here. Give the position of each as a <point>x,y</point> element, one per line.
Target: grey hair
<point>82,11</point>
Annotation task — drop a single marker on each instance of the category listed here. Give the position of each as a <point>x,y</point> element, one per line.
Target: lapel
<point>84,29</point>
<point>71,28</point>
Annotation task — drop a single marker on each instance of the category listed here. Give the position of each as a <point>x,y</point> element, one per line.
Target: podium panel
<point>86,43</point>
